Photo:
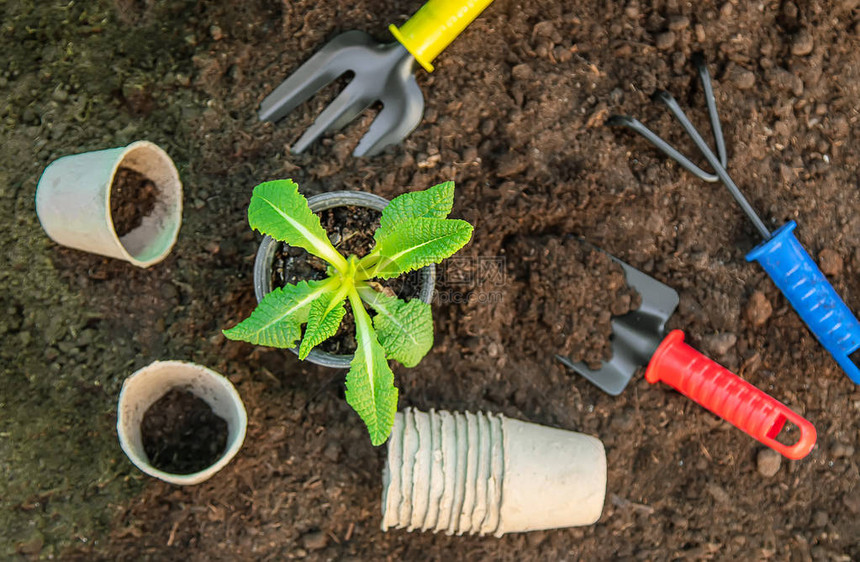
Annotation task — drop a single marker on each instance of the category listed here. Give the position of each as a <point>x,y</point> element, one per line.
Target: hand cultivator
<point>383,73</point>
<point>781,255</point>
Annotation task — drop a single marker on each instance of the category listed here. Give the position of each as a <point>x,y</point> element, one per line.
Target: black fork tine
<point>380,73</point>
<point>399,116</point>
<point>347,105</point>
<point>329,63</point>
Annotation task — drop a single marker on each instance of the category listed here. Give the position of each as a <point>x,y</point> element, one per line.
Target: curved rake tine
<point>710,100</point>
<point>689,128</point>
<point>662,145</point>
<point>709,155</point>
<point>341,111</point>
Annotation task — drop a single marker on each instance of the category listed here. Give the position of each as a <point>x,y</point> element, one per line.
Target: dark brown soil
<point>573,293</point>
<point>514,114</point>
<point>133,197</point>
<point>181,434</point>
<point>350,230</point>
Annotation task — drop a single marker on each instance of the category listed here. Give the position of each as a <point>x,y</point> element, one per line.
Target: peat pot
<point>486,474</point>
<point>269,247</point>
<point>73,202</point>
<point>150,384</point>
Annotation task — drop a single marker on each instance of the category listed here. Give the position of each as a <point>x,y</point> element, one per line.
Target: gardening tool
<point>638,338</point>
<point>383,73</point>
<point>635,335</point>
<point>781,255</point>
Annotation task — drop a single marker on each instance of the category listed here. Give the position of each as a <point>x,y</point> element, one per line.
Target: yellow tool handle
<point>435,25</point>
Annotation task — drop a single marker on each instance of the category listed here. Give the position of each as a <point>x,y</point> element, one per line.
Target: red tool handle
<point>727,395</point>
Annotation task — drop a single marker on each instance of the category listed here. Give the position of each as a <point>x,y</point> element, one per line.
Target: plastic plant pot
<point>269,247</point>
<point>73,203</point>
<point>146,386</point>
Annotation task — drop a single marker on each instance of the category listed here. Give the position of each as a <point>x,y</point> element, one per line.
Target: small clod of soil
<point>181,434</point>
<point>574,291</point>
<point>350,230</point>
<point>133,197</point>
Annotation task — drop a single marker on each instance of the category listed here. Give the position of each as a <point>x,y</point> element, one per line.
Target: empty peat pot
<point>317,203</point>
<point>487,474</point>
<point>152,383</point>
<point>73,202</point>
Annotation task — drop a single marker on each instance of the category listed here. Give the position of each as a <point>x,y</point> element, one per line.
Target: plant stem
<point>362,318</point>
<point>367,293</point>
<point>366,266</point>
<point>336,259</point>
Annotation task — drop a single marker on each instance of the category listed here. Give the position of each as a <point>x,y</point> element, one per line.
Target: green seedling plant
<point>413,232</point>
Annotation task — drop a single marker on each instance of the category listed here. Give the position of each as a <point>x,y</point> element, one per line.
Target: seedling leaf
<point>414,243</point>
<point>414,232</point>
<point>279,210</point>
<point>370,386</point>
<point>277,320</point>
<point>404,328</point>
<point>433,203</point>
<point>323,320</point>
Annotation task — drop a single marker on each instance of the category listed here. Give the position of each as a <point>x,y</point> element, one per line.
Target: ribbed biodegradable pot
<point>487,474</point>
<point>552,478</point>
<point>323,201</point>
<point>73,203</point>
<point>146,386</point>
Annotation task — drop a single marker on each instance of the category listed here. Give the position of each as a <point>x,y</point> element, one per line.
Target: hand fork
<point>383,73</point>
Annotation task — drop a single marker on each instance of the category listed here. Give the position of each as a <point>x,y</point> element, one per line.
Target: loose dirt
<point>133,196</point>
<point>181,434</point>
<point>514,114</point>
<point>573,293</point>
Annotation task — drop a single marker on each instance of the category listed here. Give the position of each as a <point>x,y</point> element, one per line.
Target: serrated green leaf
<point>370,386</point>
<point>404,328</point>
<point>279,210</point>
<point>277,320</point>
<point>432,203</point>
<point>324,318</point>
<point>414,243</point>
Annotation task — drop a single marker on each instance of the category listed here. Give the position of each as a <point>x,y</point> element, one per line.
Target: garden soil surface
<point>181,434</point>
<point>515,115</point>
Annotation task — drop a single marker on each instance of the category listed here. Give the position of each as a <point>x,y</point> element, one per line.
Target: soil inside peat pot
<point>181,434</point>
<point>350,230</point>
<point>569,293</point>
<point>132,197</point>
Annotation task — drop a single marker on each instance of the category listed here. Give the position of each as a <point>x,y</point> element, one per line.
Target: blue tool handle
<point>811,295</point>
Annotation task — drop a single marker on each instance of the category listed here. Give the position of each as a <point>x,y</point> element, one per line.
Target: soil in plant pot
<point>350,230</point>
<point>574,291</point>
<point>181,434</point>
<point>133,197</point>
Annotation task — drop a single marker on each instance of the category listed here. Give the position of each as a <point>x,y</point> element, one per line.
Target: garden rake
<point>781,255</point>
<point>382,73</point>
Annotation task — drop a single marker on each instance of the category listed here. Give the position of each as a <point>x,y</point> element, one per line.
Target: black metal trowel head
<point>635,335</point>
